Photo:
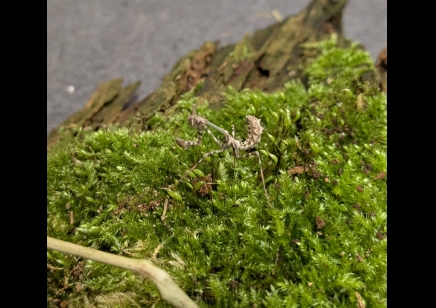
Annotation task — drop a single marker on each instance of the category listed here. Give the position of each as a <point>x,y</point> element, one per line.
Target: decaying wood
<point>265,61</point>
<point>102,108</point>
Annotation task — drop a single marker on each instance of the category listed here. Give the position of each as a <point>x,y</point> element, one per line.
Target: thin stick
<point>197,163</point>
<point>256,153</point>
<point>168,289</point>
<point>165,210</point>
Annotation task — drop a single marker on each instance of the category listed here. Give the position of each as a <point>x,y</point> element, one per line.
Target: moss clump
<point>322,242</point>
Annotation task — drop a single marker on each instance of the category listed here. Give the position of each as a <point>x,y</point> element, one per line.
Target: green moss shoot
<point>321,243</point>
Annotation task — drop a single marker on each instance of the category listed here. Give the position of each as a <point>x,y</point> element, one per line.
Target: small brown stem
<point>165,209</point>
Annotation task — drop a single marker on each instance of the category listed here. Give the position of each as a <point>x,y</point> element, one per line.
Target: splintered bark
<point>265,61</point>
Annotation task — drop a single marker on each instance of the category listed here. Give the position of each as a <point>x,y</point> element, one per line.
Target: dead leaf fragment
<point>359,301</point>
<point>298,170</point>
<point>380,176</point>
<point>63,304</point>
<point>71,217</point>
<point>320,223</point>
<point>79,287</point>
<point>206,188</point>
<point>360,104</point>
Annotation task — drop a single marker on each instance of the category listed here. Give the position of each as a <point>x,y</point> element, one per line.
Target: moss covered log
<point>322,242</point>
<point>264,61</point>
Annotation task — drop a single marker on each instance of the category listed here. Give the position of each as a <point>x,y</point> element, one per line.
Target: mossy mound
<point>322,242</point>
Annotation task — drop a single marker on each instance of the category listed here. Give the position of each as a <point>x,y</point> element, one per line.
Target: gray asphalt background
<point>89,41</point>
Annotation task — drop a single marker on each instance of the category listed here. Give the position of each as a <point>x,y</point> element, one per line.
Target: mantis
<point>254,133</point>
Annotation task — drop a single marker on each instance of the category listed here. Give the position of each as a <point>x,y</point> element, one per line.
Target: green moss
<point>321,241</point>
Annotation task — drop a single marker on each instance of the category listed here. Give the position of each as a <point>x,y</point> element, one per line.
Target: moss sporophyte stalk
<point>321,242</point>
